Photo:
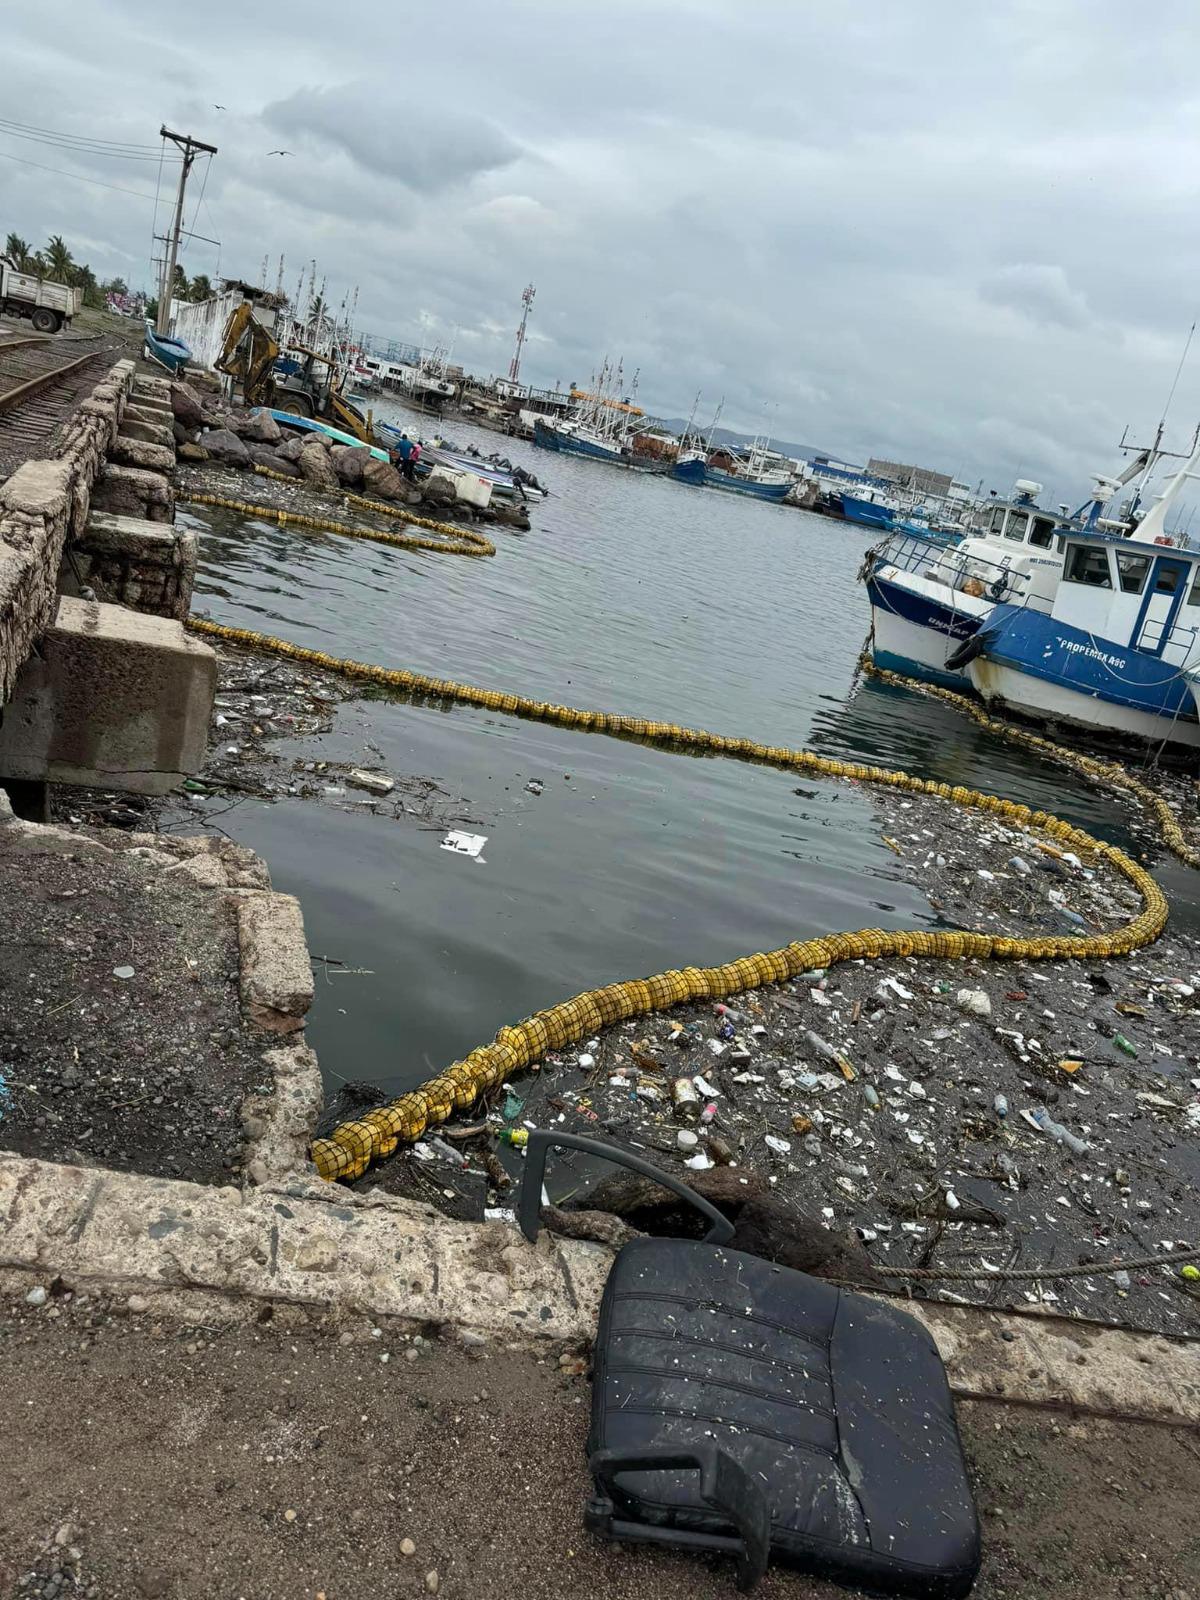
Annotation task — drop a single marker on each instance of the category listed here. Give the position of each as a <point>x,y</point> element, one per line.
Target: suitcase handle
<point>724,1486</point>
<point>529,1203</point>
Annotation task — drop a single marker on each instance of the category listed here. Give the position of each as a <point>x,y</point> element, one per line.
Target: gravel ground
<point>149,1459</point>
<point>122,1042</point>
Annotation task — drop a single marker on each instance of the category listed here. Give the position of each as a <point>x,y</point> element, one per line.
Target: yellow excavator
<point>301,381</point>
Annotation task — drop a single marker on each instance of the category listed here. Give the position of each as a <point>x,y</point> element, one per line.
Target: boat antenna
<point>514,366</point>
<point>1178,373</point>
<point>712,427</point>
<point>691,421</point>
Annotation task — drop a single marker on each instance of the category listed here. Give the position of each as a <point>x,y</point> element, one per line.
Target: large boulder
<point>191,452</point>
<point>259,427</point>
<point>291,447</point>
<point>223,445</point>
<point>349,462</point>
<point>186,406</point>
<point>438,492</point>
<point>289,469</point>
<point>263,456</point>
<point>316,467</point>
<point>382,480</point>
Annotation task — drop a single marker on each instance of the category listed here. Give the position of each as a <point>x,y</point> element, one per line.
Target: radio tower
<point>514,366</point>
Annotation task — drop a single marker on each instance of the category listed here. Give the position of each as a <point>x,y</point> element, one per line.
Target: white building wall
<point>202,325</point>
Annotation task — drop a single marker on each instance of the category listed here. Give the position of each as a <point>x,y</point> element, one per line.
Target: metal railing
<point>948,564</point>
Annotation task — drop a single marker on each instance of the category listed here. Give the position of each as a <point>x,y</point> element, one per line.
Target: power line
<point>123,144</point>
<point>80,147</point>
<point>61,172</point>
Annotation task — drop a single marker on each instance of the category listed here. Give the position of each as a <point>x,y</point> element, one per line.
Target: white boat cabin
<point>1143,597</point>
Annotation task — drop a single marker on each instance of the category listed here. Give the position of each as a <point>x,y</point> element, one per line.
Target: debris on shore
<point>977,1118</point>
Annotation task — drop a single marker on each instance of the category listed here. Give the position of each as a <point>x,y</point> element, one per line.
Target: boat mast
<point>1152,528</point>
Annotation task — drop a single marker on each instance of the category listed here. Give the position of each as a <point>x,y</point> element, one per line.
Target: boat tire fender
<point>966,652</point>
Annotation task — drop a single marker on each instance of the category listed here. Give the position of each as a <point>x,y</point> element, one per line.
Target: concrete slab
<point>128,452</point>
<point>148,432</point>
<point>117,699</point>
<point>310,1244</point>
<point>134,492</point>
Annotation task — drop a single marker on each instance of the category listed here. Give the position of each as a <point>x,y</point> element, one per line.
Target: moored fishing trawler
<point>1118,649</point>
<point>928,595</point>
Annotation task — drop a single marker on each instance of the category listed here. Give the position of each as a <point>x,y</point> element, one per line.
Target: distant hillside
<point>740,441</point>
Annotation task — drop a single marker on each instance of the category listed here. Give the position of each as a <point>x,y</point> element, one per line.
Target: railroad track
<point>40,381</point>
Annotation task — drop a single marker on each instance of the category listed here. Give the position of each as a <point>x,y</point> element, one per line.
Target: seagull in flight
<point>220,108</point>
<point>281,152</point>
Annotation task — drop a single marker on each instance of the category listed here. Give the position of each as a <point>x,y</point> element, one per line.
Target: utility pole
<point>514,368</point>
<point>191,149</point>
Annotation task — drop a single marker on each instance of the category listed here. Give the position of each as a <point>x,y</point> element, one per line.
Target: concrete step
<point>130,561</point>
<point>116,699</point>
<point>134,492</point>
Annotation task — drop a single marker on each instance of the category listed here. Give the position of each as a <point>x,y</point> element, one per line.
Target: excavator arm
<point>248,354</point>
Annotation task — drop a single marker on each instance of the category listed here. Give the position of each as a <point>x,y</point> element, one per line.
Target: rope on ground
<point>455,541</point>
<point>353,1146</point>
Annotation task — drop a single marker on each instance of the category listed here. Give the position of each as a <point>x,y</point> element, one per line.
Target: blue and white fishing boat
<point>696,471</point>
<point>1118,650</point>
<point>879,513</point>
<point>574,438</point>
<point>753,474</point>
<point>173,354</point>
<point>931,590</point>
<point>928,596</point>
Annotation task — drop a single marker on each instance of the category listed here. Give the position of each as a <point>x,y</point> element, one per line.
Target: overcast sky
<point>966,235</point>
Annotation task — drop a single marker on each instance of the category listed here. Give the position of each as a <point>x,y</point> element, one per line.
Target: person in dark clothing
<point>408,453</point>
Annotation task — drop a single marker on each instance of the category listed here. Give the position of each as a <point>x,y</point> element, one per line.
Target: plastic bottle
<point>1000,1105</point>
<point>517,1137</point>
<point>686,1100</point>
<point>1127,1045</point>
<point>709,1114</point>
<point>1056,1130</point>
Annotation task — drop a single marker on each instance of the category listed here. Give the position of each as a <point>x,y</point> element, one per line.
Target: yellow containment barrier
<point>352,1146</point>
<point>456,541</point>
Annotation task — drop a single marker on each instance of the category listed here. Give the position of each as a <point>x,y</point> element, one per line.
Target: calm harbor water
<point>631,594</point>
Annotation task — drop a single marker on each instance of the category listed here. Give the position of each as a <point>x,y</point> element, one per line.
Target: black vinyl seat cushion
<point>836,1408</point>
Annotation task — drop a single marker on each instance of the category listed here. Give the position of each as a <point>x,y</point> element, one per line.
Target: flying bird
<point>281,152</point>
<point>220,108</point>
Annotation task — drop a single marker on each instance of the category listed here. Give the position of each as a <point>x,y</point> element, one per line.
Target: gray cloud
<point>822,209</point>
<point>393,135</point>
<point>1039,292</point>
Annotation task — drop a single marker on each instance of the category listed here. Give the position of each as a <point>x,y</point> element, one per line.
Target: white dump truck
<point>49,306</point>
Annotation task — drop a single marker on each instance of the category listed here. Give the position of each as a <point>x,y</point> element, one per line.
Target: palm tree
<point>85,279</point>
<point>179,289</point>
<point>59,259</point>
<point>202,288</point>
<point>17,251</point>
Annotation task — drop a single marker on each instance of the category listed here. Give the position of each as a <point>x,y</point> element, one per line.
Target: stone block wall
<point>43,504</point>
<point>148,566</point>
